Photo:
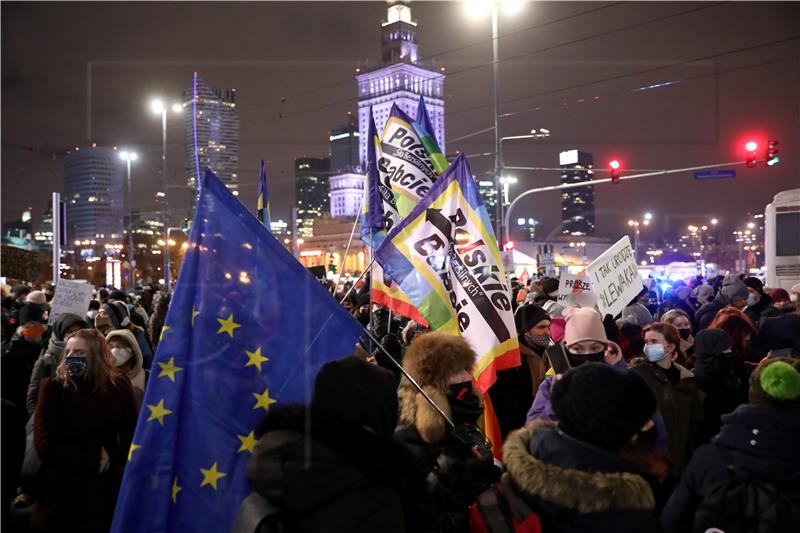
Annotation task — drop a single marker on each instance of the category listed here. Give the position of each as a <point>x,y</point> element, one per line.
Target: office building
<point>577,204</point>
<point>347,176</point>
<point>344,147</point>
<point>311,191</point>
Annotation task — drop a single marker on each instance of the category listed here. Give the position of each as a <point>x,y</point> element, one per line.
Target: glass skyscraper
<point>311,191</point>
<point>577,204</point>
<point>217,136</point>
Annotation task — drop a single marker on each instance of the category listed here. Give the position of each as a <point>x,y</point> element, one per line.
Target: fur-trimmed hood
<point>569,488</point>
<point>432,359</point>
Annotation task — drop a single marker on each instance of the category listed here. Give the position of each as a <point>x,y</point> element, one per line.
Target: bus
<point>782,240</point>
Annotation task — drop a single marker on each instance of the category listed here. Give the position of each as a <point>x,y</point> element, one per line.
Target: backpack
<point>747,504</point>
<point>501,510</point>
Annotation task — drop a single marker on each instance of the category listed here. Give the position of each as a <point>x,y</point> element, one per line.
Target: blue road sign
<point>714,174</point>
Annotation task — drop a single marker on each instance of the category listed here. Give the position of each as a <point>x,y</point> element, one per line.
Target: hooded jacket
<point>576,487</point>
<point>136,374</point>
<point>761,439</point>
<point>357,480</point>
<point>732,289</point>
<point>680,405</point>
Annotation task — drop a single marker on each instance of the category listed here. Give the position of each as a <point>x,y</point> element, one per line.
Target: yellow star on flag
<point>163,330</point>
<point>227,325</point>
<point>195,312</point>
<point>248,442</point>
<point>176,489</point>
<point>255,358</point>
<point>263,400</point>
<point>158,412</point>
<point>211,476</point>
<point>132,449</point>
<point>169,369</point>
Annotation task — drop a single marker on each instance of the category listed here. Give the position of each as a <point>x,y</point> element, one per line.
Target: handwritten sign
<point>71,296</point>
<point>615,277</point>
<point>576,291</point>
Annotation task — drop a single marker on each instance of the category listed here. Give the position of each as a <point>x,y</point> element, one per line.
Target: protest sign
<point>575,291</point>
<point>72,296</point>
<point>615,277</point>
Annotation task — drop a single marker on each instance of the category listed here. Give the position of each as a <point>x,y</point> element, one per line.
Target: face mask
<point>685,333</point>
<point>537,341</point>
<point>77,366</point>
<point>579,359</point>
<point>752,300</point>
<point>121,356</point>
<point>464,403</point>
<point>654,352</point>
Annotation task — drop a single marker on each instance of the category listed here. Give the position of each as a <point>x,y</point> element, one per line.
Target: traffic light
<point>615,166</point>
<point>751,147</point>
<point>772,153</point>
<point>508,246</point>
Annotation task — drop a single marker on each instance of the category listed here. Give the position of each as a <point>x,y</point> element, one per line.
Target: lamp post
<point>158,107</point>
<point>129,157</point>
<point>477,9</point>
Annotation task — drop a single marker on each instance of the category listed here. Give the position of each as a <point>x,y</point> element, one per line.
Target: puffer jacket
<point>575,487</point>
<point>758,438</point>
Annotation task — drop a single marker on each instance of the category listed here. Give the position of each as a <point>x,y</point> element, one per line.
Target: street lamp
<point>129,157</point>
<point>635,225</point>
<point>477,9</point>
<point>158,107</point>
<point>502,222</point>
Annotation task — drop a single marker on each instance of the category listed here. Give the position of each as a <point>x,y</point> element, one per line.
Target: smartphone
<point>557,356</point>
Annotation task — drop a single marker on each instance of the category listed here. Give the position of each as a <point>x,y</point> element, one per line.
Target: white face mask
<point>121,356</point>
<point>793,297</point>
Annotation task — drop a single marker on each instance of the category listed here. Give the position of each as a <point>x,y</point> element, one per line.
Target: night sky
<point>551,53</point>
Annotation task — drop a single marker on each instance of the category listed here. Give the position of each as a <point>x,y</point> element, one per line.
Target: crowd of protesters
<point>682,413</point>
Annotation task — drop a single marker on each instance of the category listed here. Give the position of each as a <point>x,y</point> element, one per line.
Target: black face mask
<point>579,359</point>
<point>77,366</point>
<point>685,333</point>
<point>465,405</point>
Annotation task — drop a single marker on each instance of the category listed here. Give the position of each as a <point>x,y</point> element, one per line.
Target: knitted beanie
<point>118,312</point>
<point>753,283</point>
<point>600,405</point>
<point>36,297</point>
<point>527,316</point>
<point>550,285</point>
<point>582,324</point>
<point>776,382</point>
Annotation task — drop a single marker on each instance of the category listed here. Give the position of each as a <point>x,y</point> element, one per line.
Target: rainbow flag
<point>424,130</point>
<point>444,256</point>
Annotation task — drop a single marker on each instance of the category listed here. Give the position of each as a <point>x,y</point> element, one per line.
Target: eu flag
<point>248,327</point>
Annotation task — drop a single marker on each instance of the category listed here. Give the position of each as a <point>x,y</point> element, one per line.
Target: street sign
<point>714,174</point>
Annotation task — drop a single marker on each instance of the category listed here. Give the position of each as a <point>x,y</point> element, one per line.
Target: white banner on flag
<point>71,296</point>
<point>615,277</point>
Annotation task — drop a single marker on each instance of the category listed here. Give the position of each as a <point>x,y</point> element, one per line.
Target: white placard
<point>615,277</point>
<point>71,296</point>
<point>576,291</point>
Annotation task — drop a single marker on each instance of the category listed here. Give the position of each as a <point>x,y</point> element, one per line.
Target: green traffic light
<point>774,161</point>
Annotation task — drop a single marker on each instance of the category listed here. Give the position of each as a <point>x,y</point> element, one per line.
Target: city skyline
<point>667,118</point>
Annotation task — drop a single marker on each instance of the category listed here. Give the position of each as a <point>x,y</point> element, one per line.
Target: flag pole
<point>356,281</point>
<point>352,232</point>
<point>410,379</point>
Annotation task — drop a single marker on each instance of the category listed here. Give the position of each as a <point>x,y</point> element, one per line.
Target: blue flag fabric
<point>373,225</point>
<point>263,199</point>
<point>248,327</point>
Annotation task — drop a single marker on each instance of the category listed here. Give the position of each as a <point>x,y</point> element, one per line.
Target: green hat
<point>781,381</point>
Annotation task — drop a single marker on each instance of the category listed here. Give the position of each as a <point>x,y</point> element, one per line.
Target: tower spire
<point>399,34</point>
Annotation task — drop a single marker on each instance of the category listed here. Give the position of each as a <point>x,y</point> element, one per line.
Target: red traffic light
<point>751,146</point>
<point>614,164</point>
<point>508,246</point>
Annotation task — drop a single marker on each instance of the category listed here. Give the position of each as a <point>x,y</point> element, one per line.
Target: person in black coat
<point>733,292</point>
<point>355,479</point>
<point>760,437</point>
<point>513,392</point>
<point>715,375</point>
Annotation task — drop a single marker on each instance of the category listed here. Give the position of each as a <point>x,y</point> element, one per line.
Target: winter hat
<point>20,291</point>
<point>754,283</point>
<point>602,406</point>
<point>711,341</point>
<point>118,312</point>
<point>704,293</point>
<point>776,382</point>
<point>779,295</point>
<point>433,358</point>
<point>733,289</point>
<point>358,393</point>
<point>64,322</point>
<point>31,313</point>
<point>118,295</point>
<point>795,288</point>
<point>550,285</point>
<point>683,292</point>
<point>583,324</point>
<point>36,297</point>
<point>637,314</point>
<point>527,316</point>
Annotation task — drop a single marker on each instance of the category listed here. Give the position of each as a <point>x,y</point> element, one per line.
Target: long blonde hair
<point>100,371</point>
